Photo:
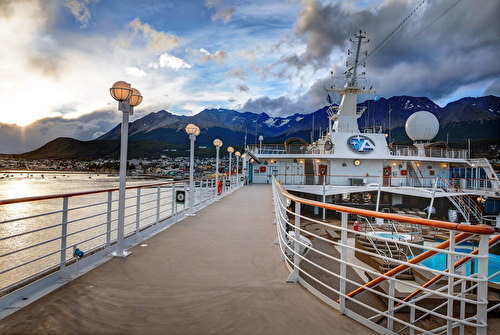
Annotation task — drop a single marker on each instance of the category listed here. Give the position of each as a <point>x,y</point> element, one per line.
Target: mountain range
<point>467,118</point>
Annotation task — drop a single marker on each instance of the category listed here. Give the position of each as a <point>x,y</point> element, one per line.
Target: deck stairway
<point>415,179</point>
<point>464,203</point>
<point>386,249</point>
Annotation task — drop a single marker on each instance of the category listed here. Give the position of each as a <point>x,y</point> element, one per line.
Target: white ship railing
<point>475,184</point>
<point>397,150</point>
<point>446,302</point>
<point>39,235</point>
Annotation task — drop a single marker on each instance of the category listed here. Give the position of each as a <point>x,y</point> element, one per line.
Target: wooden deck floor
<point>216,273</point>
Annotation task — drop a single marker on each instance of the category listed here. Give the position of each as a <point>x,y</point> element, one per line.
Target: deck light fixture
<point>193,131</point>
<point>218,144</point>
<point>127,98</point>
<point>357,162</point>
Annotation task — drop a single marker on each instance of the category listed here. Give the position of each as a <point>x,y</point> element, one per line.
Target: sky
<point>60,57</point>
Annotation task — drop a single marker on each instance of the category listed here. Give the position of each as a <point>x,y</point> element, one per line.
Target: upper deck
<point>402,152</point>
<point>215,273</point>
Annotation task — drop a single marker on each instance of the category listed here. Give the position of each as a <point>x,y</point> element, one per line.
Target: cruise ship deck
<point>215,273</point>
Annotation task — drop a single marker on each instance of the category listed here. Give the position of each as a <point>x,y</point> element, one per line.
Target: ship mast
<point>346,115</point>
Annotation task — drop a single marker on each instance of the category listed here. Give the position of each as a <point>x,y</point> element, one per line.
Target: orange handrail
<point>439,276</point>
<point>477,229</point>
<point>67,195</point>
<point>423,256</point>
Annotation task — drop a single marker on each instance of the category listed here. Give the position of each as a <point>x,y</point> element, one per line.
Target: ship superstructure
<point>346,163</point>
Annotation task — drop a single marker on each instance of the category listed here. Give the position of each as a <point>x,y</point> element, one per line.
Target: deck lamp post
<point>192,131</point>
<point>127,98</point>
<point>261,138</point>
<point>218,144</point>
<point>237,153</point>
<point>230,150</point>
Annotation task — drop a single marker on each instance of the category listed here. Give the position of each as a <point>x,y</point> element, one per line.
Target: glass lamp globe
<point>121,91</point>
<point>218,143</point>
<point>136,98</point>
<point>237,153</point>
<point>243,156</point>
<point>191,129</point>
<point>230,149</point>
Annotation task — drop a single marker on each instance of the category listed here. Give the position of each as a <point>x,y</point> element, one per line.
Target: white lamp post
<point>261,138</point>
<point>244,167</point>
<point>230,150</point>
<point>237,153</point>
<point>218,144</point>
<point>192,131</point>
<point>127,98</point>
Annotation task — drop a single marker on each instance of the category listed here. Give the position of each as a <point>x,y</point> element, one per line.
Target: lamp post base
<point>191,214</point>
<point>125,254</point>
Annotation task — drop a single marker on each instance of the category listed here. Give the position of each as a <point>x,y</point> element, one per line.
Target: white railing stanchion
<point>158,198</point>
<point>173,209</point>
<point>64,234</point>
<point>482,285</point>
<point>108,218</point>
<point>343,266</point>
<point>451,281</point>
<point>138,216</point>
<point>294,276</point>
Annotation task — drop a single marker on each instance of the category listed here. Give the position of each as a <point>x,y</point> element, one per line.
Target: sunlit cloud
<point>205,56</point>
<point>80,10</point>
<point>158,40</point>
<point>135,72</point>
<point>223,12</point>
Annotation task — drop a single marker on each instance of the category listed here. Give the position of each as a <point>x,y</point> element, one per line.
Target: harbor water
<point>39,233</point>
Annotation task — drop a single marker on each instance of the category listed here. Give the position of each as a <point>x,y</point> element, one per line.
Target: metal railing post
<point>108,218</point>
<point>173,210</point>
<point>343,267</point>
<point>64,233</point>
<point>390,304</point>
<point>482,286</point>
<point>451,281</point>
<point>294,276</point>
<point>138,215</point>
<point>158,197</point>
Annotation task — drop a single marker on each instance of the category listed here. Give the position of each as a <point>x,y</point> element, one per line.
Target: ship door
<point>387,176</point>
<point>322,173</point>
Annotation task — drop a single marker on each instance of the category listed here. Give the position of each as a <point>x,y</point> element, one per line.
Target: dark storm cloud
<point>267,105</point>
<point>433,59</point>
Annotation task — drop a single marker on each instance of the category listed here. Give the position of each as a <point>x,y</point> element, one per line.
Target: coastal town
<point>162,167</point>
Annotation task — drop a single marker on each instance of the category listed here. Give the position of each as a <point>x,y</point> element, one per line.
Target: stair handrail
<point>437,277</point>
<point>468,203</point>
<point>374,245</point>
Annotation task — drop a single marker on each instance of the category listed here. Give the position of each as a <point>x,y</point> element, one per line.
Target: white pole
<point>237,168</point>
<point>122,187</point>
<point>217,175</point>
<point>191,176</point>
<point>324,198</point>
<point>230,171</point>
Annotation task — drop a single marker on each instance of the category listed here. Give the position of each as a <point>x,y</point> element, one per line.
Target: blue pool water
<point>439,262</point>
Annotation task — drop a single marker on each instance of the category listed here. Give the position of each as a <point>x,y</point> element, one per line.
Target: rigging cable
<point>398,29</point>
<point>423,29</point>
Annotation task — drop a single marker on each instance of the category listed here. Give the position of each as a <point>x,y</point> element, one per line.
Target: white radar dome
<point>422,126</point>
